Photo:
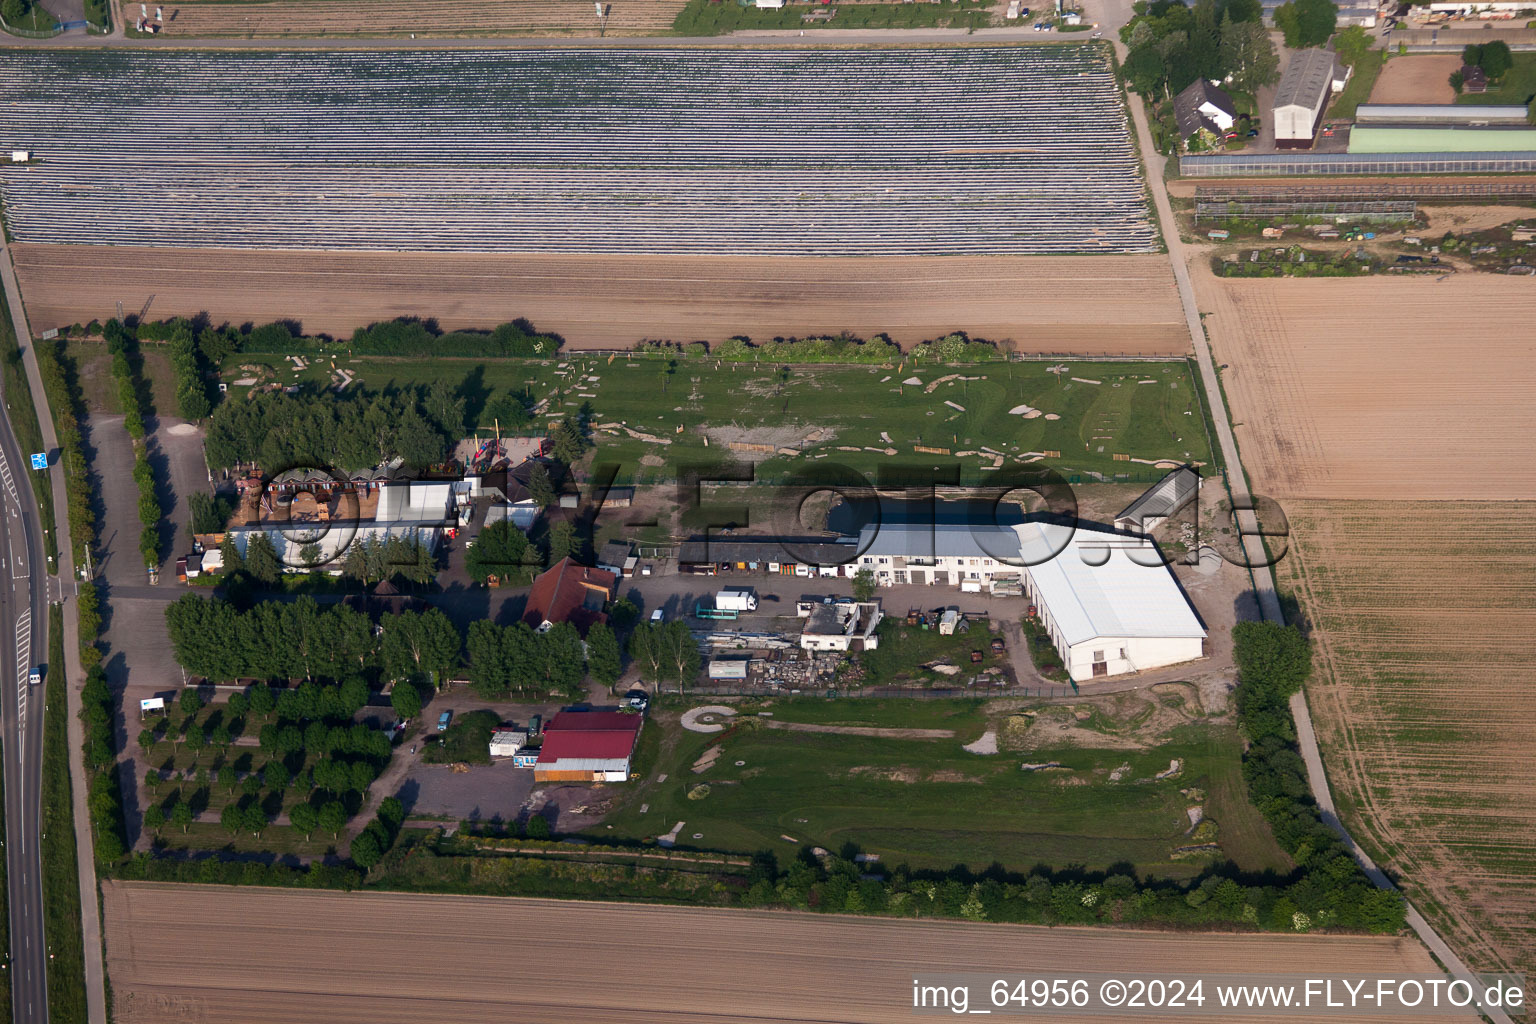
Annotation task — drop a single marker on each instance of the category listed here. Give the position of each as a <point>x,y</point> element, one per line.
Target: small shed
<point>507,742</point>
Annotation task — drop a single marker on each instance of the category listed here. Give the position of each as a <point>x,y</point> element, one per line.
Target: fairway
<point>930,804</point>
<point>859,416</point>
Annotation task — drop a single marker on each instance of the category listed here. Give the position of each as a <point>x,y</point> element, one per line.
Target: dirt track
<point>1395,388</point>
<point>1078,304</point>
<point>205,954</point>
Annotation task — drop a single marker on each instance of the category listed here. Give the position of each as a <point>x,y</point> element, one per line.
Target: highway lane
<point>24,584</point>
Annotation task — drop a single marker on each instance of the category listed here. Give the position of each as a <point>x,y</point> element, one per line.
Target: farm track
<point>301,18</point>
<point>1378,388</point>
<point>765,152</point>
<point>1081,304</point>
<point>318,956</point>
<point>1422,615</point>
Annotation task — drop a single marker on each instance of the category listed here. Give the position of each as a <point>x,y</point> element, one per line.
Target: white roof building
<point>1107,600</point>
<point>507,742</point>
<point>1311,78</point>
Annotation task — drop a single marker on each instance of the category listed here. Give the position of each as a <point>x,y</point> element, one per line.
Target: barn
<point>588,746</point>
<point>1310,80</point>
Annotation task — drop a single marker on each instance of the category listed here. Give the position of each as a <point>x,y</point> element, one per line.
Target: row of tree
<point>665,653</point>
<point>61,386</point>
<point>300,640</point>
<point>133,397</point>
<point>351,432</point>
<point>507,659</point>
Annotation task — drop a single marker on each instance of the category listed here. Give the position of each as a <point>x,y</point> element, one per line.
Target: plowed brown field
<point>397,17</point>
<point>194,953</point>
<point>1423,614</point>
<point>1075,304</point>
<point>1395,388</point>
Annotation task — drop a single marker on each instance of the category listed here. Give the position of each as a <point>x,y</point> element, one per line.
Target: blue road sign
<point>39,460</point>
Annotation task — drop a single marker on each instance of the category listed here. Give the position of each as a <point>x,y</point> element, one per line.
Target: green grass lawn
<point>468,739</point>
<point>929,803</point>
<point>903,649</point>
<point>1361,82</point>
<point>858,405</point>
<point>1517,87</point>
<point>61,879</point>
<point>716,17</point>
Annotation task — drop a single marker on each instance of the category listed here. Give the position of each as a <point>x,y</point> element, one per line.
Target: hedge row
<point>64,402</point>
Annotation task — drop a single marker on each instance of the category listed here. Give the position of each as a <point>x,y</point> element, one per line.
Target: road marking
<point>23,668</point>
<point>5,472</point>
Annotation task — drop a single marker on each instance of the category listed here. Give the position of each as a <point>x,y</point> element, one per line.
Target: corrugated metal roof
<point>584,764</point>
<point>1307,80</point>
<point>1165,497</point>
<point>1092,588</point>
<point>1401,139</point>
<point>938,540</point>
<point>1449,113</point>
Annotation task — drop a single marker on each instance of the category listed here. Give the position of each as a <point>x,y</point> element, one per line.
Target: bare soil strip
<point>1079,304</point>
<point>1380,388</point>
<point>202,953</point>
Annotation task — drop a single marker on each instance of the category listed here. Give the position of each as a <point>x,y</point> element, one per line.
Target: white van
<point>658,617</point>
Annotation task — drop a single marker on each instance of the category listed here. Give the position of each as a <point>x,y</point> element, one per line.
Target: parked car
<point>658,617</point>
<point>645,570</point>
<point>638,700</point>
<point>443,720</point>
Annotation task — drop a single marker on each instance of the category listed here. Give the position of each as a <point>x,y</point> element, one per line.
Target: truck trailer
<point>736,599</point>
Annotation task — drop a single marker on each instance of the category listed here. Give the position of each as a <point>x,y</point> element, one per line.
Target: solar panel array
<point>753,152</point>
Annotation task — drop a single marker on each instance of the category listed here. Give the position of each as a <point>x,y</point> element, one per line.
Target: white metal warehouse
<point>1109,607</point>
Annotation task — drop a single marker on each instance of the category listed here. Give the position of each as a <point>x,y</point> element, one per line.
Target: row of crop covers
<point>754,153</point>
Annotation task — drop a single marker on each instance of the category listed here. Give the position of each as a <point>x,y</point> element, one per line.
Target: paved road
<point>1263,579</point>
<point>64,680</point>
<point>23,606</point>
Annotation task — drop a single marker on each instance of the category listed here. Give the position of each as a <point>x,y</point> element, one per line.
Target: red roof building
<point>569,592</point>
<point>588,746</point>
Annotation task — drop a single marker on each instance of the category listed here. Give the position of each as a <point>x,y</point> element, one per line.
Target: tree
<point>1145,70</point>
<point>1457,82</point>
<point>310,555</point>
<point>14,11</point>
<point>1496,60</point>
<point>1472,55</point>
<point>304,818</point>
<point>1351,44</point>
<point>445,407</point>
<point>418,643</point>
<point>646,650</point>
<point>276,776</point>
<point>232,819</point>
<point>498,551</point>
<point>228,779</point>
<point>1306,22</point>
<point>562,541</point>
<point>181,815</point>
<point>864,585</point>
<point>261,700</point>
<point>569,442</point>
<point>603,659</point>
<point>537,827</point>
<point>261,559</point>
<point>540,488</point>
<point>405,699</point>
<point>624,611</point>
<point>1248,55</point>
<point>154,818</point>
<point>682,653</point>
<point>191,703</point>
<point>253,819</point>
<point>365,851</point>
<point>333,818</point>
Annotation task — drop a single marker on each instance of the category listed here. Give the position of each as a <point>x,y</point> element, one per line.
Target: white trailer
<point>736,599</point>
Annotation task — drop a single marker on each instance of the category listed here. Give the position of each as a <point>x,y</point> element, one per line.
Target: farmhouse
<point>1310,80</point>
<point>1202,106</point>
<point>840,626</point>
<point>569,592</point>
<point>588,746</point>
<point>1163,499</point>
